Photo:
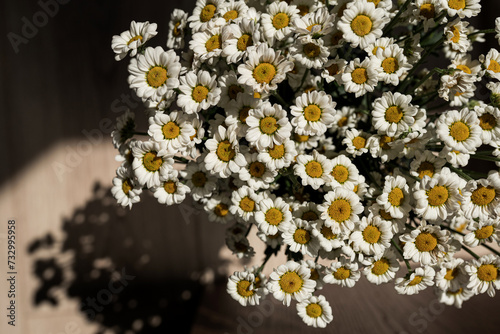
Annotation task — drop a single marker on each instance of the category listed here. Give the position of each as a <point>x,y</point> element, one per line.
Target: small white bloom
<point>199,92</point>
<point>484,274</point>
<point>360,77</point>
<point>313,169</point>
<point>344,273</point>
<point>130,40</point>
<point>125,189</point>
<point>313,113</point>
<point>393,114</point>
<point>419,280</point>
<point>315,311</point>
<point>291,281</point>
<point>340,210</point>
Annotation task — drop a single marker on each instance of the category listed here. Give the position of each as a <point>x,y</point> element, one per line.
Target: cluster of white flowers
<point>315,125</point>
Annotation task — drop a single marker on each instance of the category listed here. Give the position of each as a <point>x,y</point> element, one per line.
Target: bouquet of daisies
<point>317,126</point>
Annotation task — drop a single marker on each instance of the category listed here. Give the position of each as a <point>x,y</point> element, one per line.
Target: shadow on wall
<point>138,271</point>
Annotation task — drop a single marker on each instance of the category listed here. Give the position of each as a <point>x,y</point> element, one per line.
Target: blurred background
<point>87,266</point>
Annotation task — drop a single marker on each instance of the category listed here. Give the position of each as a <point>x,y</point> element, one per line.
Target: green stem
<point>141,133</point>
<point>485,31</point>
<point>400,251</point>
<point>424,79</point>
<point>396,18</point>
<point>181,160</point>
<point>268,256</point>
<point>280,99</point>
<point>460,173</point>
<point>484,157</point>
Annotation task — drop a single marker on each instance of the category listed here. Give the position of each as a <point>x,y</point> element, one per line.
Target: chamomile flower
<point>307,211</point>
<point>489,122</point>
<point>125,189</point>
<point>237,38</point>
<point>313,112</point>
<point>224,155</point>
<point>462,8</point>
<point>343,272</point>
<point>455,297</point>
<point>328,240</point>
<point>355,140</point>
<point>238,110</point>
<point>451,275</point>
<point>392,63</point>
<point>395,198</point>
<point>245,203</point>
<point>217,208</point>
<point>207,44</point>
<point>333,70</point>
<point>362,23</point>
<point>343,173</point>
<point>426,13</point>
<point>456,36</point>
<point>234,10</point>
<point>482,232</point>
<point>267,125</point>
<point>242,287</point>
<point>315,23</point>
<point>278,156</point>
<point>171,190</point>
<point>315,311</point>
<point>277,22</point>
<point>393,114</point>
<point>176,29</point>
<point>459,130</point>
<point>291,281</point>
<point>172,131</point>
<point>313,169</point>
<point>240,246</point>
<point>465,64</point>
<point>454,157</point>
<point>199,91</point>
<point>426,163</point>
<point>256,173</point>
<point>150,163</point>
<point>360,77</point>
<point>154,74</point>
<point>457,87</point>
<point>372,235</point>
<point>203,13</point>
<point>273,216</point>
<point>425,244</point>
<point>311,53</point>
<point>340,210</point>
<point>481,198</point>
<point>484,274</point>
<point>124,129</point>
<point>382,267</point>
<point>419,280</point>
<point>264,69</point>
<point>130,40</point>
<point>231,89</point>
<point>299,237</point>
<point>201,182</point>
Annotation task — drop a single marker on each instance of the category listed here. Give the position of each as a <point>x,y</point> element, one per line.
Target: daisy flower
<point>291,281</point>
<point>393,114</point>
<point>313,169</point>
<point>381,268</point>
<point>264,69</point>
<point>343,272</point>
<point>203,13</point>
<point>124,129</point>
<point>419,280</point>
<point>277,22</point>
<point>465,64</point>
<point>307,211</point>
<point>360,77</point>
<point>315,311</point>
<point>317,272</point>
<point>171,190</point>
<point>328,240</point>
<point>372,235</point>
<point>274,215</point>
<point>201,182</point>
<point>451,275</point>
<point>454,157</point>
<point>299,237</point>
<point>311,53</point>
<point>355,140</point>
<point>150,163</point>
<point>392,63</point>
<point>234,11</point>
<point>489,122</point>
<point>333,70</point>
<point>199,91</point>
<point>459,130</point>
<point>238,110</point>
<point>395,198</point>
<point>362,23</point>
<point>426,163</point>
<point>154,74</point>
<point>217,208</point>
<point>267,125</point>
<point>313,112</point>
<point>224,157</point>
<point>207,44</point>
<point>256,173</point>
<point>176,29</point>
<point>278,156</point>
<point>274,241</point>
<point>462,8</point>
<point>130,40</point>
<point>456,36</point>
<point>380,43</point>
<point>425,244</point>
<point>482,232</point>
<point>315,23</point>
<point>426,12</point>
<point>343,173</point>
<point>457,87</point>
<point>242,287</point>
<point>455,297</point>
<point>240,246</point>
<point>245,203</point>
<point>237,38</point>
<point>172,131</point>
<point>481,198</point>
<point>340,210</point>
<point>125,189</point>
<point>484,274</point>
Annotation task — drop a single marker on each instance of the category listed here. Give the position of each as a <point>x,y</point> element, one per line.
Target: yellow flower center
<point>300,138</point>
<point>152,162</point>
<point>361,25</point>
<point>207,12</point>
<point>233,91</point>
<point>225,151</point>
<point>464,68</point>
<point>359,75</point>
<point>416,280</point>
<point>375,2</point>
<point>314,169</point>
<point>177,32</point>
<point>280,21</point>
<point>213,43</point>
<point>243,114</point>
<point>311,50</point>
<point>390,65</point>
<point>301,236</point>
<point>312,26</point>
<point>200,93</point>
<point>274,216</point>
<point>171,130</point>
<point>359,142</point>
<point>483,196</point>
<point>328,233</point>
<point>199,179</point>
<point>456,4</point>
<point>487,122</point>
<point>256,95</point>
<point>156,76</point>
<point>274,236</point>
<point>484,232</point>
<point>393,114</point>
<point>425,242</point>
<point>384,142</point>
<point>487,272</point>
<point>380,267</point>
<point>126,186</point>
<point>264,72</point>
<point>291,282</point>
<point>459,131</point>
<point>340,173</point>
<point>425,168</point>
<point>244,42</point>
<point>384,214</point>
<point>309,216</point>
<point>336,37</point>
<point>303,10</point>
<point>312,113</point>
<point>494,66</point>
<point>456,34</point>
<point>376,48</point>
<point>451,274</point>
<point>314,310</point>
<point>277,151</point>
<point>247,204</point>
<point>257,169</point>
<point>427,10</point>
<point>371,234</point>
<point>135,38</point>
<point>437,196</point>
<point>396,197</point>
<point>342,122</point>
<point>242,287</point>
<point>230,15</point>
<point>342,273</point>
<point>333,69</point>
<point>340,210</point>
<point>268,125</point>
<point>221,210</point>
<point>170,187</point>
<point>314,274</point>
